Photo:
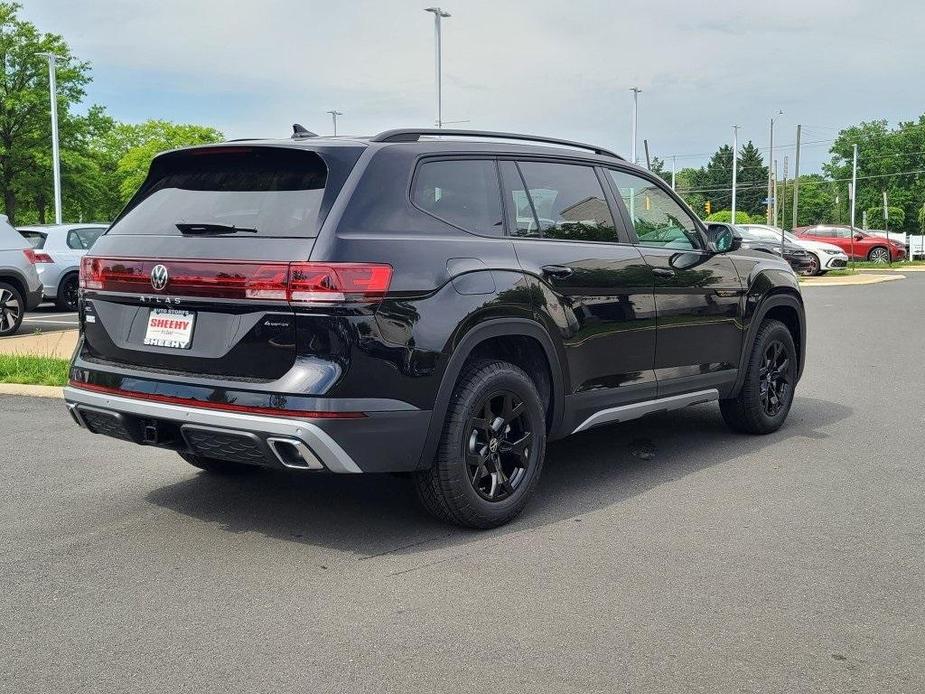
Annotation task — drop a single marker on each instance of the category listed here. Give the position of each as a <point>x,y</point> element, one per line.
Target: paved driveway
<point>665,555</point>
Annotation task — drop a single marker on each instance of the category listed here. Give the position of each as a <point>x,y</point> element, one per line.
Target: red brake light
<point>310,282</point>
<point>34,256</point>
<point>229,279</point>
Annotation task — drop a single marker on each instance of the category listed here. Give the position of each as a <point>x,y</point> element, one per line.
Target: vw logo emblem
<point>159,277</point>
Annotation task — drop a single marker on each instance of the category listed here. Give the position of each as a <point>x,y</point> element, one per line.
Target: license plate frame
<point>170,328</point>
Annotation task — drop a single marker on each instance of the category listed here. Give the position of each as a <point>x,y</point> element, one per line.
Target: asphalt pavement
<point>47,319</point>
<point>666,555</point>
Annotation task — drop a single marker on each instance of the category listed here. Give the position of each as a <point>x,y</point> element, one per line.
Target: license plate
<point>170,328</point>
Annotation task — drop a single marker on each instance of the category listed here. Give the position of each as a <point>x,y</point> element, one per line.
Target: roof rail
<point>415,134</point>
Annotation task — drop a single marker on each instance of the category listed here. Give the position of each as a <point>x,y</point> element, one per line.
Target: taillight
<point>326,282</point>
<point>34,256</point>
<point>297,283</point>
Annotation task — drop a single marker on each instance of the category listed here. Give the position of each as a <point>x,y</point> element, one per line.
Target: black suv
<point>430,302</point>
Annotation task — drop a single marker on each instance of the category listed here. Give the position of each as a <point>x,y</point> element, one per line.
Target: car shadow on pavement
<point>374,515</point>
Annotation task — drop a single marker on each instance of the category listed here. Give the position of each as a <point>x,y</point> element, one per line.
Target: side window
<point>463,192</point>
<point>658,219</point>
<point>567,200</point>
<point>83,239</point>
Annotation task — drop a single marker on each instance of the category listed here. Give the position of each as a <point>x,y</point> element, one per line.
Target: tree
<point>137,145</point>
<point>741,217</point>
<point>889,160</point>
<point>658,168</point>
<point>25,128</point>
<point>751,181</point>
<point>875,218</point>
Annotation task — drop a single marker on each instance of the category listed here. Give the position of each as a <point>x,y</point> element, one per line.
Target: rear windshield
<point>35,238</point>
<point>266,191</point>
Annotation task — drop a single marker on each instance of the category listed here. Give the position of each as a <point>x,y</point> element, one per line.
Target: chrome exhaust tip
<point>294,454</point>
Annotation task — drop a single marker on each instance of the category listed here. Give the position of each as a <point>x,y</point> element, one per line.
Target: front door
<point>698,294</point>
<point>590,287</point>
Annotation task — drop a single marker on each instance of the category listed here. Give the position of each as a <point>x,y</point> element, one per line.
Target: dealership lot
<point>661,555</point>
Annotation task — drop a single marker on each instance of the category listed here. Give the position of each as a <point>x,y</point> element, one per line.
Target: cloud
<point>558,68</point>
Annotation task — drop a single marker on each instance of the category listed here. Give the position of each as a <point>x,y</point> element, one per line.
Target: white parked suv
<point>59,248</point>
<point>20,286</point>
<point>825,256</point>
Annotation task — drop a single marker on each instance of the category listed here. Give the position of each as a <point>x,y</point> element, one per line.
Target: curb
<point>32,391</point>
<point>852,281</point>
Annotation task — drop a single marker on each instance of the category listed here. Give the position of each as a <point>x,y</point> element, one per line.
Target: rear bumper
<point>34,298</point>
<point>378,442</point>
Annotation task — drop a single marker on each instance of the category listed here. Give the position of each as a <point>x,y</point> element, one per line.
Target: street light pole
<point>735,165</point>
<point>854,193</point>
<point>439,14</point>
<point>55,154</point>
<point>636,91</point>
<point>334,114</point>
<point>772,216</point>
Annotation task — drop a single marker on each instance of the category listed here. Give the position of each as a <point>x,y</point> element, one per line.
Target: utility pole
<point>853,193</point>
<point>645,143</point>
<point>439,14</point>
<point>55,154</point>
<point>796,181</point>
<point>886,223</point>
<point>674,170</point>
<point>774,193</point>
<point>735,166</point>
<point>636,92</point>
<point>772,173</point>
<point>783,202</point>
<point>334,115</point>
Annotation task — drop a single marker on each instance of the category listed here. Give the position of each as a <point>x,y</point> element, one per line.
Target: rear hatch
<point>195,276</point>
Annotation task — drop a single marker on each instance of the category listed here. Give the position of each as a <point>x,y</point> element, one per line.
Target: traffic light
<point>708,208</point>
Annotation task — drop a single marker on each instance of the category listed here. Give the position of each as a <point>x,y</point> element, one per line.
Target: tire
<point>66,299</point>
<point>879,254</point>
<point>764,401</point>
<point>491,450</point>
<point>816,267</point>
<point>12,309</point>
<point>219,467</point>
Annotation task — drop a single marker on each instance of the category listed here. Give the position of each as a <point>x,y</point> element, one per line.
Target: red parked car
<point>858,246</point>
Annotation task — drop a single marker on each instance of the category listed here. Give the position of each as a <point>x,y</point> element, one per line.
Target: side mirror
<point>858,237</point>
<point>724,240</point>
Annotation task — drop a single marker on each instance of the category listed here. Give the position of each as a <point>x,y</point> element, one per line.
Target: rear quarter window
<point>463,192</point>
<point>276,191</point>
<point>35,239</point>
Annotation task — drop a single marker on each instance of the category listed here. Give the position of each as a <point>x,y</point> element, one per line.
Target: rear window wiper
<point>205,229</point>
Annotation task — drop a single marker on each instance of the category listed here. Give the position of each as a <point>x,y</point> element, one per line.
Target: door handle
<point>559,272</point>
<point>662,272</point>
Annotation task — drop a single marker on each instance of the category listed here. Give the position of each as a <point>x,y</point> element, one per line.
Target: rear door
<point>590,285</point>
<point>698,294</point>
<point>193,276</point>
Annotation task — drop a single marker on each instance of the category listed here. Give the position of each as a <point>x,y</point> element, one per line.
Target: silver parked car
<point>60,248</point>
<point>20,286</point>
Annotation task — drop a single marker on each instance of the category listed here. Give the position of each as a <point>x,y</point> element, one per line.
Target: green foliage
<point>889,159</point>
<point>921,219</point>
<point>875,218</point>
<point>741,217</point>
<point>136,145</point>
<point>25,124</point>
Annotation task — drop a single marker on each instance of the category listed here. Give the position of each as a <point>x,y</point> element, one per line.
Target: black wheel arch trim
<point>781,297</point>
<point>497,327</point>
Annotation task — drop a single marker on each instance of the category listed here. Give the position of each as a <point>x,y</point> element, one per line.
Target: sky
<point>550,67</point>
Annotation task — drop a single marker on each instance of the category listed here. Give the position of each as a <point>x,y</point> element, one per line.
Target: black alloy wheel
<point>775,378</point>
<point>497,448</point>
<point>67,294</point>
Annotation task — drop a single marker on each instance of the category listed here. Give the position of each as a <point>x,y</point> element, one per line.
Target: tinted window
<point>83,239</point>
<point>658,219</point>
<point>464,193</point>
<point>35,239</point>
<point>277,191</point>
<point>567,200</point>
